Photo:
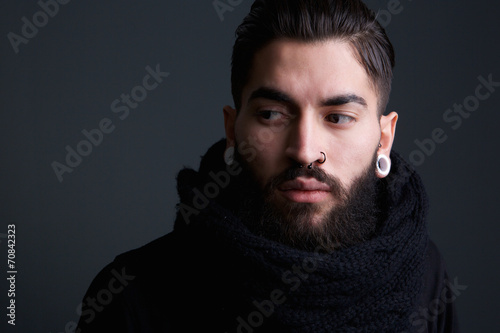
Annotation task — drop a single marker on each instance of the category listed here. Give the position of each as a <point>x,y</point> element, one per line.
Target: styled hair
<point>313,21</point>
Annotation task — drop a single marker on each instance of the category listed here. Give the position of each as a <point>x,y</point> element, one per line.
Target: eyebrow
<point>271,94</point>
<point>345,99</point>
<point>279,96</point>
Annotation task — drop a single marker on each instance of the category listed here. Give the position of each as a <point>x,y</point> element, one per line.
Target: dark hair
<point>311,21</point>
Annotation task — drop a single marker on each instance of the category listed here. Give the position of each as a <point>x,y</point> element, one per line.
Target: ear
<point>388,131</point>
<point>229,121</point>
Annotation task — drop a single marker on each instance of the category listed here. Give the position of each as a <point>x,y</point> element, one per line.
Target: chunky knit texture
<point>369,287</point>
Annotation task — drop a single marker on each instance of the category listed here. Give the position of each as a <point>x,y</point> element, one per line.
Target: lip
<point>306,190</point>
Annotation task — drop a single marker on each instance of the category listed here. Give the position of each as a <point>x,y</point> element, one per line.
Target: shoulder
<point>436,311</point>
<point>148,289</point>
<point>116,297</point>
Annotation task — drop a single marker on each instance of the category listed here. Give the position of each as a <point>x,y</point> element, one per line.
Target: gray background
<point>123,195</point>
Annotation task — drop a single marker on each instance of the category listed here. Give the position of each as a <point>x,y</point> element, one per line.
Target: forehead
<point>309,71</point>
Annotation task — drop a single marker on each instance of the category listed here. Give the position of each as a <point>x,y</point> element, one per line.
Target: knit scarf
<point>369,287</point>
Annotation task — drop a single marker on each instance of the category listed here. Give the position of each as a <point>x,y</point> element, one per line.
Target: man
<point>302,219</point>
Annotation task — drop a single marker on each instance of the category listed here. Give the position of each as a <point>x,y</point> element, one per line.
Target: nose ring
<point>324,158</point>
<point>310,166</point>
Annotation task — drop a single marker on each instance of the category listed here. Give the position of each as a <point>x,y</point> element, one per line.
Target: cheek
<point>353,154</point>
<point>263,163</point>
<point>260,149</point>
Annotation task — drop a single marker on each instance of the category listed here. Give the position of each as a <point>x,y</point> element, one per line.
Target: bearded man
<point>302,219</point>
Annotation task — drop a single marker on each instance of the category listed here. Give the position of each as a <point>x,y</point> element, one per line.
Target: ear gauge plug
<point>383,165</point>
<point>229,156</point>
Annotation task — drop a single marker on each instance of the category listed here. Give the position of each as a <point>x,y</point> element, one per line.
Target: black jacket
<point>154,289</point>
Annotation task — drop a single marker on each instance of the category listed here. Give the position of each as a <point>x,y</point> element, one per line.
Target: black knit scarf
<point>369,287</point>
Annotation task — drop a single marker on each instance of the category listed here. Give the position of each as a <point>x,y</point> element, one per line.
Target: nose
<point>304,140</point>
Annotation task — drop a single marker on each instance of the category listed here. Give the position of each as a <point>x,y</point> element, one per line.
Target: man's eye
<point>270,115</point>
<point>339,118</point>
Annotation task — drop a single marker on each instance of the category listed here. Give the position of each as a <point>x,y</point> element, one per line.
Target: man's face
<point>302,100</point>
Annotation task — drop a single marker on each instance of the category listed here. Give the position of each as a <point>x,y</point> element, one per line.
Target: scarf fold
<point>368,287</point>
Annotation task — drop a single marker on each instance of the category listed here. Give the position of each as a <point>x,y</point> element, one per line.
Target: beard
<point>352,220</point>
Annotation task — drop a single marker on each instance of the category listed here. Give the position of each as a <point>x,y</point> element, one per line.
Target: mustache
<point>317,173</point>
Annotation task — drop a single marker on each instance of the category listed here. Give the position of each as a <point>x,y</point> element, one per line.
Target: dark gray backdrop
<point>122,195</point>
